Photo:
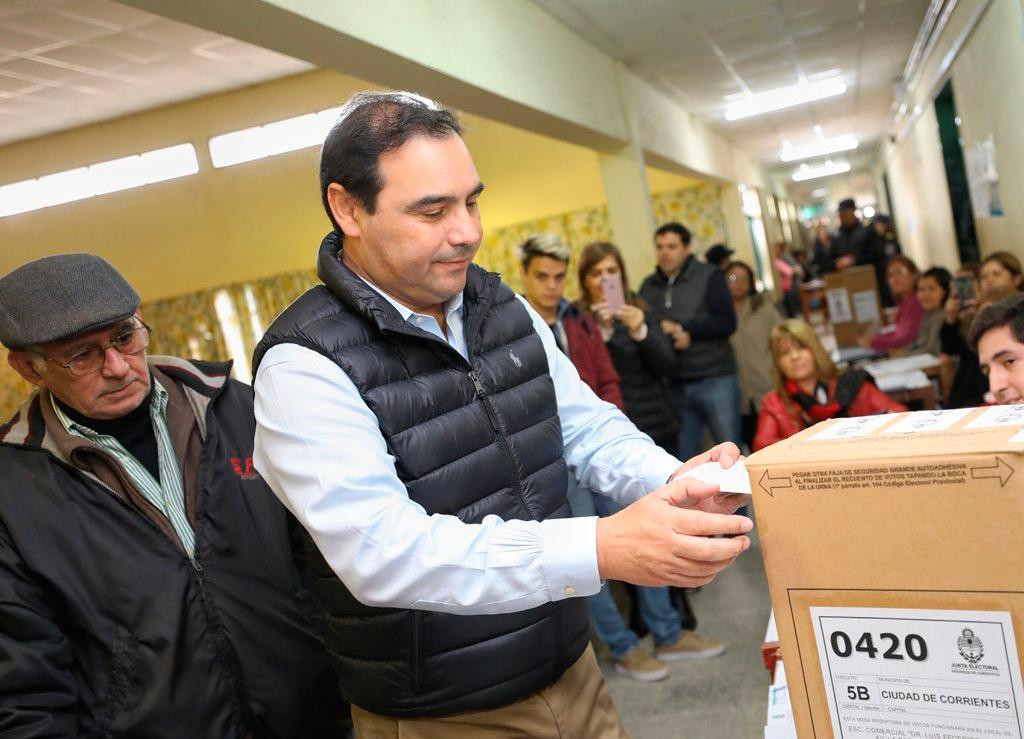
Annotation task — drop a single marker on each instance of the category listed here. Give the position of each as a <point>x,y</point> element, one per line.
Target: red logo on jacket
<point>243,468</point>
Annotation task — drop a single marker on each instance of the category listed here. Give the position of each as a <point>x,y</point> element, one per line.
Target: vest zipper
<point>502,438</point>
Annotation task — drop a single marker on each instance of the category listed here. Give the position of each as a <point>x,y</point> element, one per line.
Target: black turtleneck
<point>134,431</point>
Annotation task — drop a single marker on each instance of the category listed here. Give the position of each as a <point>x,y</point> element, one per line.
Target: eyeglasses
<point>128,342</point>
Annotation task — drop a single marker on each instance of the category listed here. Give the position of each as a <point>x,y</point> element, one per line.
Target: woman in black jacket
<point>644,358</point>
<point>641,353</point>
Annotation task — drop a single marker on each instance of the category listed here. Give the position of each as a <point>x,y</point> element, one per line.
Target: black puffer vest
<point>470,439</point>
<point>684,299</point>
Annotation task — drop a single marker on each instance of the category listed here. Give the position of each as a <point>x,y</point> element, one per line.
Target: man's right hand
<point>653,542</point>
<point>670,327</point>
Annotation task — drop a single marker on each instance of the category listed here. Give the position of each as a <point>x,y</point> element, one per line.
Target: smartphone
<point>611,286</point>
<point>963,288</point>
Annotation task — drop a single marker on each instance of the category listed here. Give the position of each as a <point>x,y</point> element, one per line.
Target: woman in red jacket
<point>809,388</point>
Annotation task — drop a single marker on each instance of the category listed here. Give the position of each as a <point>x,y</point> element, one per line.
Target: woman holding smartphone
<point>644,358</point>
<point>640,351</point>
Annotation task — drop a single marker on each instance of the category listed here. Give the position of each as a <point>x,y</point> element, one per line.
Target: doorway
<point>956,175</point>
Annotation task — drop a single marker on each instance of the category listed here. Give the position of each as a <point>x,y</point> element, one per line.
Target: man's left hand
<point>727,455</point>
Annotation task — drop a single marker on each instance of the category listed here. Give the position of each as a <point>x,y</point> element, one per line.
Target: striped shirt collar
<point>158,402</point>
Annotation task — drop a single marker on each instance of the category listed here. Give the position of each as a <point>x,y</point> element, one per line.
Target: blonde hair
<point>544,245</point>
<point>802,334</point>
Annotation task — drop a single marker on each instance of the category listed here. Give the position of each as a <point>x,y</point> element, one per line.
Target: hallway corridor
<point>722,698</point>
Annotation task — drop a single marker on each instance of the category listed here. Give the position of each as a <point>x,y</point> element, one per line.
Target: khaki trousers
<point>578,706</point>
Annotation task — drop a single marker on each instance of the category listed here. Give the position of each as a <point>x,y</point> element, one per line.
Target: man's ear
<point>24,363</point>
<point>346,209</point>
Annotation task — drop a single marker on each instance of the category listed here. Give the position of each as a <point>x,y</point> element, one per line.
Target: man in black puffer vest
<point>418,419</point>
<point>693,301</point>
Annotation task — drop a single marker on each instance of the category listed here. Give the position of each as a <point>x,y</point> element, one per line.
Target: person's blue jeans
<point>713,402</point>
<point>654,603</point>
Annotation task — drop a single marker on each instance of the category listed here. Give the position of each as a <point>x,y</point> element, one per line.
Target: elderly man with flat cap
<point>147,581</point>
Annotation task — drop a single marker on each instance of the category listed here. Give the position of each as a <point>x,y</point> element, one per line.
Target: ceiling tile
<point>89,56</point>
<point>91,69</point>
<point>52,25</point>
<point>136,48</point>
<point>15,41</point>
<point>108,13</point>
<point>13,85</point>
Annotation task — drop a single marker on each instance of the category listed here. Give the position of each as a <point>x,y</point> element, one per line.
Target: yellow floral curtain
<point>189,325</point>
<point>500,247</point>
<point>13,389</point>
<point>698,208</point>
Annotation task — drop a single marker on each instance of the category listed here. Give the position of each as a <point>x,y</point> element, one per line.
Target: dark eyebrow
<point>995,358</point>
<point>429,200</point>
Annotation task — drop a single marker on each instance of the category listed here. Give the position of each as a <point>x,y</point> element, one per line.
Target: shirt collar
<point>158,402</point>
<point>564,309</point>
<point>453,305</point>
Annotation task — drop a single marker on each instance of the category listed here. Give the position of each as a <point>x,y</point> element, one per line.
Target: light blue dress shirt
<point>320,449</point>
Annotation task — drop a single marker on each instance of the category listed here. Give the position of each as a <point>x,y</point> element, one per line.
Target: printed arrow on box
<point>1000,470</point>
<point>770,484</point>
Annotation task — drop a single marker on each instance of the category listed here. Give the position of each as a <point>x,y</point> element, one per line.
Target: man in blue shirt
<point>419,420</point>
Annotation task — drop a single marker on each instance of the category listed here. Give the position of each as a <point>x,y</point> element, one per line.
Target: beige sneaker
<point>641,666</point>
<point>689,645</point>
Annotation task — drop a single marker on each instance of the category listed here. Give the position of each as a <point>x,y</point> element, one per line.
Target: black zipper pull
<point>477,384</point>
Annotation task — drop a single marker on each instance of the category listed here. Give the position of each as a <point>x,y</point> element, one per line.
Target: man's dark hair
<point>371,124</point>
<point>1006,312</point>
<point>674,228</point>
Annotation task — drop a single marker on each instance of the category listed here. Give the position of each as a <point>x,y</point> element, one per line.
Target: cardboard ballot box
<point>894,547</point>
<point>854,305</point>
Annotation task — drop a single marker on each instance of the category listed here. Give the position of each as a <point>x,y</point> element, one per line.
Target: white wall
<point>984,41</point>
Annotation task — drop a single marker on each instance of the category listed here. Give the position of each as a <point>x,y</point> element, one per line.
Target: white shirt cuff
<point>659,468</point>
<point>570,557</point>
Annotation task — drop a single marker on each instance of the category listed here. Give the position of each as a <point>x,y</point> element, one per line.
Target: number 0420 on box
<point>920,672</point>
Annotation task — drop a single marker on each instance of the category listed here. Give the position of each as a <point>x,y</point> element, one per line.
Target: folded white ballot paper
<point>732,480</point>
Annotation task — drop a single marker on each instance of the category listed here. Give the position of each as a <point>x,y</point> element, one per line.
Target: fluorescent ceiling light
<point>818,148</point>
<point>819,193</point>
<point>806,172</point>
<point>98,179</point>
<point>784,97</point>
<point>258,142</point>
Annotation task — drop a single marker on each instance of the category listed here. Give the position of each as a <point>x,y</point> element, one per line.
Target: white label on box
<point>920,422</point>
<point>895,672</point>
<point>850,428</point>
<point>999,415</point>
<point>865,307</point>
<point>838,305</point>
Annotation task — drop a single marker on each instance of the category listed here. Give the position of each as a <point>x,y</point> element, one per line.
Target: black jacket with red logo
<point>107,627</point>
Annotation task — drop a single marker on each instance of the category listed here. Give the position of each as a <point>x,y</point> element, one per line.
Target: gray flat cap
<point>60,296</point>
